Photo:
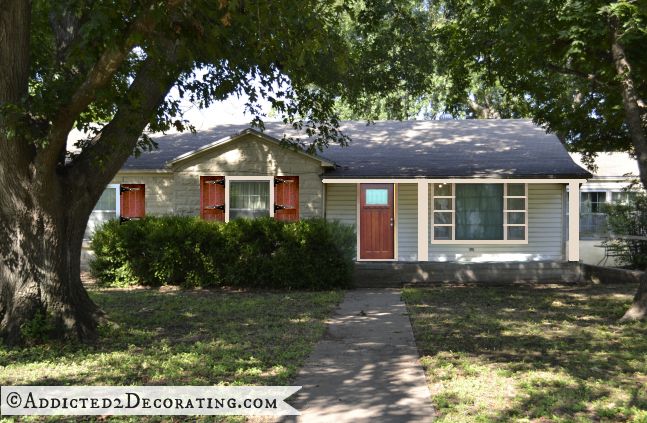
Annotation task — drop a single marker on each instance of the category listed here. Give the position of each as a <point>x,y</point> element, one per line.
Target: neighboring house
<point>463,190</point>
<point>611,182</point>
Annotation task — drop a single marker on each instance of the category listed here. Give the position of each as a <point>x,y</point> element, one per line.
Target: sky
<point>228,111</point>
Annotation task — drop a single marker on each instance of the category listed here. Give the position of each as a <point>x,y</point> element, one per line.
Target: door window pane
<point>479,211</point>
<point>249,199</point>
<point>377,197</point>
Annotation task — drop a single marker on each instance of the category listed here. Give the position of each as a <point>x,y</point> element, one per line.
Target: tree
<point>106,67</point>
<point>581,66</point>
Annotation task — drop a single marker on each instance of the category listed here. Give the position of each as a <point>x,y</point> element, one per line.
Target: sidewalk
<point>366,367</point>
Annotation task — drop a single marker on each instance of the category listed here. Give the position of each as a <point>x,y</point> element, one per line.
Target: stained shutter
<point>133,201</point>
<point>212,198</point>
<point>286,198</point>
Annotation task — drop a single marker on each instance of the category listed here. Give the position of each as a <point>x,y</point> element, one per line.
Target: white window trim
<point>117,188</point>
<point>504,241</point>
<point>228,179</point>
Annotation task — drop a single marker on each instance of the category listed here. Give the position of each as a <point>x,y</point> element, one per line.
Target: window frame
<point>229,179</point>
<point>505,212</point>
<point>117,188</point>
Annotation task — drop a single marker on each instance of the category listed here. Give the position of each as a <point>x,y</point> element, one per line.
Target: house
<point>451,191</point>
<point>616,179</point>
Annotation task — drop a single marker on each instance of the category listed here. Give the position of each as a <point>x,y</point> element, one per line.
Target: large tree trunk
<point>41,237</point>
<point>634,120</point>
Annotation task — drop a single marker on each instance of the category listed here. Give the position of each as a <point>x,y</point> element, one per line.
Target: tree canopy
<point>106,67</point>
<point>557,56</point>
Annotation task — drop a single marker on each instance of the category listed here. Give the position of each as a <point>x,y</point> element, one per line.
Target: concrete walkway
<point>366,367</point>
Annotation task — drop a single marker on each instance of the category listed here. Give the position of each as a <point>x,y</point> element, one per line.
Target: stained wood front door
<point>376,240</point>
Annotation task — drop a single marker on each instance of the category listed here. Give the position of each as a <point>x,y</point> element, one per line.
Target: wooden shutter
<point>212,198</point>
<point>286,198</point>
<point>133,201</point>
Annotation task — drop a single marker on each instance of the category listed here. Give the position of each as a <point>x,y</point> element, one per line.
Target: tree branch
<point>98,162</point>
<point>631,103</point>
<point>574,72</point>
<point>98,77</point>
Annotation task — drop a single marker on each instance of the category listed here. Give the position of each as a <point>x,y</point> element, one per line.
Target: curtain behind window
<point>249,199</point>
<point>105,209</point>
<point>479,211</point>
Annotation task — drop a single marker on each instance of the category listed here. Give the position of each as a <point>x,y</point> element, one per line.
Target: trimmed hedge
<point>260,253</point>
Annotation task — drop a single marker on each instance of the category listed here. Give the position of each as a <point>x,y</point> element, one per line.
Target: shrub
<point>259,253</point>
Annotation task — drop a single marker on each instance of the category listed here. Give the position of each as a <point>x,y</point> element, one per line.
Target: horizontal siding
<point>407,222</point>
<point>545,237</point>
<point>341,203</point>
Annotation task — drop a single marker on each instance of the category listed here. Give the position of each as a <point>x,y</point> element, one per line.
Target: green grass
<point>534,354</point>
<point>196,337</point>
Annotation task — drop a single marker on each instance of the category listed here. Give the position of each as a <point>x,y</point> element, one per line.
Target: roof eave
<point>231,138</point>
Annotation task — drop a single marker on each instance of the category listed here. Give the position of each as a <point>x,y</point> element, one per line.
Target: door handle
<point>391,222</point>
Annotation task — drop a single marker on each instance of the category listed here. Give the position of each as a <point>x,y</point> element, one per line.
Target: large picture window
<point>249,199</point>
<point>479,213</point>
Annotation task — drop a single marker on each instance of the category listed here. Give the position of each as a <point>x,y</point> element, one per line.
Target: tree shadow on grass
<point>561,349</point>
<point>183,337</point>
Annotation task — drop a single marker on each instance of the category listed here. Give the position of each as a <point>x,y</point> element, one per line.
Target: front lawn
<point>196,337</point>
<point>531,353</point>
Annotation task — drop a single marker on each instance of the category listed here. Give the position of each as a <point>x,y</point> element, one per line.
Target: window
<point>479,212</point>
<point>377,197</point>
<point>475,213</point>
<point>624,197</point>
<point>249,199</point>
<point>593,220</point>
<point>106,208</point>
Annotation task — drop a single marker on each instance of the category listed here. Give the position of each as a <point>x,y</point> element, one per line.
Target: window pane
<point>593,225</point>
<point>105,209</point>
<point>442,190</point>
<point>517,189</point>
<point>516,233</point>
<point>517,218</point>
<point>443,218</point>
<point>108,200</point>
<point>442,203</point>
<point>623,197</point>
<point>249,199</point>
<point>479,211</point>
<point>377,197</point>
<point>516,203</point>
<point>442,232</point>
<point>591,202</point>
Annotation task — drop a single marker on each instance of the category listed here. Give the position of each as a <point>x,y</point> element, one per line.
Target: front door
<point>376,239</point>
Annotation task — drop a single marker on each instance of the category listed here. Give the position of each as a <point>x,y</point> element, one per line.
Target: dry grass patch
<point>197,337</point>
<point>534,354</point>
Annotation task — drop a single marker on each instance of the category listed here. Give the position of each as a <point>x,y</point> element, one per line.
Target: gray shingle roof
<point>448,148</point>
